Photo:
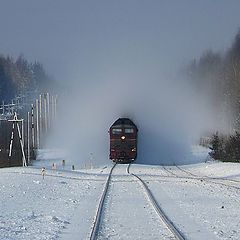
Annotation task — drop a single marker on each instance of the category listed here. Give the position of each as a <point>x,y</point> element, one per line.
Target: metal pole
<point>11,141</point>
<point>23,132</point>
<point>15,120</point>
<point>22,148</point>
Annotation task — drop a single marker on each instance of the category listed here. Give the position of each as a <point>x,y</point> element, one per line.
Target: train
<point>123,141</point>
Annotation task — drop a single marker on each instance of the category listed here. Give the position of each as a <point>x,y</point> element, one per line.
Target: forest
<point>216,76</point>
<point>19,76</point>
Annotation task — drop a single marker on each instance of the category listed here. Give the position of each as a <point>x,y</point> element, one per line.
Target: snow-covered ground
<point>63,204</point>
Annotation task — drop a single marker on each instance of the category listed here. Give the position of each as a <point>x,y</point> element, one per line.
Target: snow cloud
<point>168,115</point>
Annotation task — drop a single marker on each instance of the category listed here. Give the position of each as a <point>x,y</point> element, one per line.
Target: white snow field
<point>64,203</point>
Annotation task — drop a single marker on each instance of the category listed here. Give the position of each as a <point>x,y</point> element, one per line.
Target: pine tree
<point>216,147</point>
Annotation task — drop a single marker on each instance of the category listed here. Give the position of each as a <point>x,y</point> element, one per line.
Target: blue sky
<point>94,39</point>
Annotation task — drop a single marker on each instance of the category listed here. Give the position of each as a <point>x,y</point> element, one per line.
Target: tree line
<point>18,76</point>
<point>216,76</point>
<point>225,148</point>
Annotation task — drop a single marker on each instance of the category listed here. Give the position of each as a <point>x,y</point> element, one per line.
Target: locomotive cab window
<point>116,130</point>
<point>128,130</point>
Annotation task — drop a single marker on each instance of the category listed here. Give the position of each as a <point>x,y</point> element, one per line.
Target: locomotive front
<point>123,141</point>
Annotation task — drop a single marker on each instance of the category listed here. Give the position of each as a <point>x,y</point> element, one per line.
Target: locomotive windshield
<point>128,130</point>
<point>116,130</point>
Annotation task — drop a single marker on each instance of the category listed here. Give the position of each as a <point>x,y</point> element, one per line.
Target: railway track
<point>169,171</point>
<point>170,225</point>
<point>176,234</point>
<point>96,223</point>
<point>208,177</point>
<point>218,181</point>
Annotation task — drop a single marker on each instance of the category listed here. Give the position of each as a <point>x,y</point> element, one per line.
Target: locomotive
<point>123,141</point>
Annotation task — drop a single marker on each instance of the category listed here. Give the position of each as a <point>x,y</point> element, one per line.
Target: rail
<point>213,180</point>
<point>97,218</point>
<point>170,225</point>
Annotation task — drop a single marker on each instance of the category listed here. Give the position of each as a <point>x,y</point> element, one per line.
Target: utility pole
<point>3,108</point>
<point>52,109</point>
<point>28,136</point>
<point>45,115</point>
<point>16,121</point>
<point>32,125</point>
<point>12,107</point>
<point>55,108</point>
<point>48,110</point>
<point>22,131</point>
<point>37,125</point>
<point>40,115</point>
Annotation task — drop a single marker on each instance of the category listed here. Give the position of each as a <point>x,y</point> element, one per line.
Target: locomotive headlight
<point>123,137</point>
